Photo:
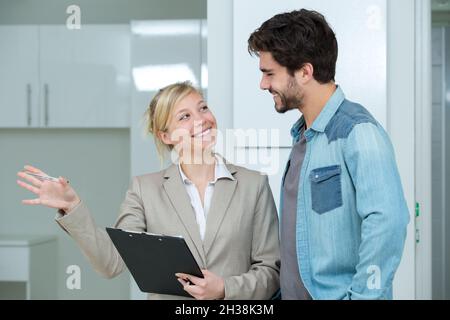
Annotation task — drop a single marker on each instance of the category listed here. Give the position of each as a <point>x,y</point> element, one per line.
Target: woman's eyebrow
<point>182,110</point>
<point>187,110</point>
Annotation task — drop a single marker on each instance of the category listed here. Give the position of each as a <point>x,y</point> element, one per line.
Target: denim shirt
<point>351,211</point>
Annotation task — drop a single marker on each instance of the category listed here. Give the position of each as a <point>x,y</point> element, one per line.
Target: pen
<point>41,177</point>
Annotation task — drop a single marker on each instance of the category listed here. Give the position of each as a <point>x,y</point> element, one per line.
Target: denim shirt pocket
<point>326,193</point>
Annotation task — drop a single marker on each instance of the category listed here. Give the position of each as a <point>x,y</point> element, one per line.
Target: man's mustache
<point>274,92</point>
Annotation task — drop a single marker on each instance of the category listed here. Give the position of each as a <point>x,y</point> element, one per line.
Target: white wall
<point>361,68</point>
<point>220,61</point>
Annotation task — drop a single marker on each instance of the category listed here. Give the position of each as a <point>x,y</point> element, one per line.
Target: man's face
<point>287,93</point>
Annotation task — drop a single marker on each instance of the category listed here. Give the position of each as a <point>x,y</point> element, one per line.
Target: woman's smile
<point>205,132</point>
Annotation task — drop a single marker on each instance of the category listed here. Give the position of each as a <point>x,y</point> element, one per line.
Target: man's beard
<point>289,100</point>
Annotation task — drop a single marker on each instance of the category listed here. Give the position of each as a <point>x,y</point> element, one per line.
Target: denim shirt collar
<point>324,117</point>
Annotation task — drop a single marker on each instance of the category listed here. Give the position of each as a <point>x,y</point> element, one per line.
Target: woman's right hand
<point>52,194</point>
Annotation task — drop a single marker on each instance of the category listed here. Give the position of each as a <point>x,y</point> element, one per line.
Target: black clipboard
<point>154,259</point>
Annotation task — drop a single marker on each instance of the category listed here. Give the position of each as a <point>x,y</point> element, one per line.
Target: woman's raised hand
<point>53,194</point>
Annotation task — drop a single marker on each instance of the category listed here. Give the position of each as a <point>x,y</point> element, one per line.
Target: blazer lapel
<point>223,192</point>
<point>180,201</point>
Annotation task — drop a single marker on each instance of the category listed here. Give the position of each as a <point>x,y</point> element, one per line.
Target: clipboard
<point>153,260</point>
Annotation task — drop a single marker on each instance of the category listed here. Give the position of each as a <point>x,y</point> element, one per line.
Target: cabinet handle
<point>46,93</point>
<point>28,104</point>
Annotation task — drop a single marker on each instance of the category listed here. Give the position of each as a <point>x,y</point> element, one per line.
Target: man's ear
<point>305,73</point>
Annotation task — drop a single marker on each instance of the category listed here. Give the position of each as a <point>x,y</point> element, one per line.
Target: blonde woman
<point>225,213</point>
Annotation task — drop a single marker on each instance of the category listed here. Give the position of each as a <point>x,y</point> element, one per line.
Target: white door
<point>85,76</point>
<point>19,76</point>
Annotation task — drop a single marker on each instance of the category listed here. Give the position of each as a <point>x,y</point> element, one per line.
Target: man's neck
<point>316,101</point>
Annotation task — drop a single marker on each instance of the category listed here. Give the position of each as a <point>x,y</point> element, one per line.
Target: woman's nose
<point>199,119</point>
<point>199,122</point>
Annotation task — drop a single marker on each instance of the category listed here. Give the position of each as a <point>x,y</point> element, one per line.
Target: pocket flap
<point>325,173</point>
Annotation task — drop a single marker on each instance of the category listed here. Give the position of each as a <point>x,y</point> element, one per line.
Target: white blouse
<point>201,213</point>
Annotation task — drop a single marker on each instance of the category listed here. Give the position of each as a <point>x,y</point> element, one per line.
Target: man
<point>343,212</point>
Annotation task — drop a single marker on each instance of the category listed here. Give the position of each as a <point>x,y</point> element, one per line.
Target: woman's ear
<point>164,137</point>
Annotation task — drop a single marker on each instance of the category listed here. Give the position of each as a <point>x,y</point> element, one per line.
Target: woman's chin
<point>201,145</point>
<point>201,153</point>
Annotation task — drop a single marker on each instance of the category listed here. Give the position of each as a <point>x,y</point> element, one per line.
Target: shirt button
<point>316,176</point>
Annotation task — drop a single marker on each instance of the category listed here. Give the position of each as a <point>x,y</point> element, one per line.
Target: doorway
<point>440,187</point>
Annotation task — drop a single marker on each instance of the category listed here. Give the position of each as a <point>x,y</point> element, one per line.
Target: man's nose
<point>264,84</point>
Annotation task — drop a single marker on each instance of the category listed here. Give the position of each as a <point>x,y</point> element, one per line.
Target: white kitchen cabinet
<point>30,260</point>
<point>55,77</point>
<point>85,76</point>
<point>19,77</point>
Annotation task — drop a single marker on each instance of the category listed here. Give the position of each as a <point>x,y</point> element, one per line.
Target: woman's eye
<point>204,108</point>
<point>184,116</point>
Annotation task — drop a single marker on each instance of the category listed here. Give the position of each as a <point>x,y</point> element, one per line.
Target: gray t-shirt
<point>291,284</point>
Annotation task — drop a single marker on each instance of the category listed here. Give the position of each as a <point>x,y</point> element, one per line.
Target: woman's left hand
<point>208,288</point>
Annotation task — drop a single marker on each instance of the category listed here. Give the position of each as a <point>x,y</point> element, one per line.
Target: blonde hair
<point>158,112</point>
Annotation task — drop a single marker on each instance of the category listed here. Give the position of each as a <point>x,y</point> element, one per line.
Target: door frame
<point>423,115</point>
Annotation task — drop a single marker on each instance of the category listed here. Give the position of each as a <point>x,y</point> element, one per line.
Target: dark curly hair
<point>298,37</point>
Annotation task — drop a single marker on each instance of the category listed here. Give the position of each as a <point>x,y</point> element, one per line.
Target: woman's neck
<point>200,173</point>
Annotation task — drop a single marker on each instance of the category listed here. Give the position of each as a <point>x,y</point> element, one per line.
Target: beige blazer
<point>241,241</point>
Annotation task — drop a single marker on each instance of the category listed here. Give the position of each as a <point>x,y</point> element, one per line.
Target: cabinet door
<point>19,76</point>
<point>85,76</point>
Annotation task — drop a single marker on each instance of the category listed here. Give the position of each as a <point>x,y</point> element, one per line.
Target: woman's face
<point>192,127</point>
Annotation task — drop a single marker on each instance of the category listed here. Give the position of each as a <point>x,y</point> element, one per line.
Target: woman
<point>225,213</point>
